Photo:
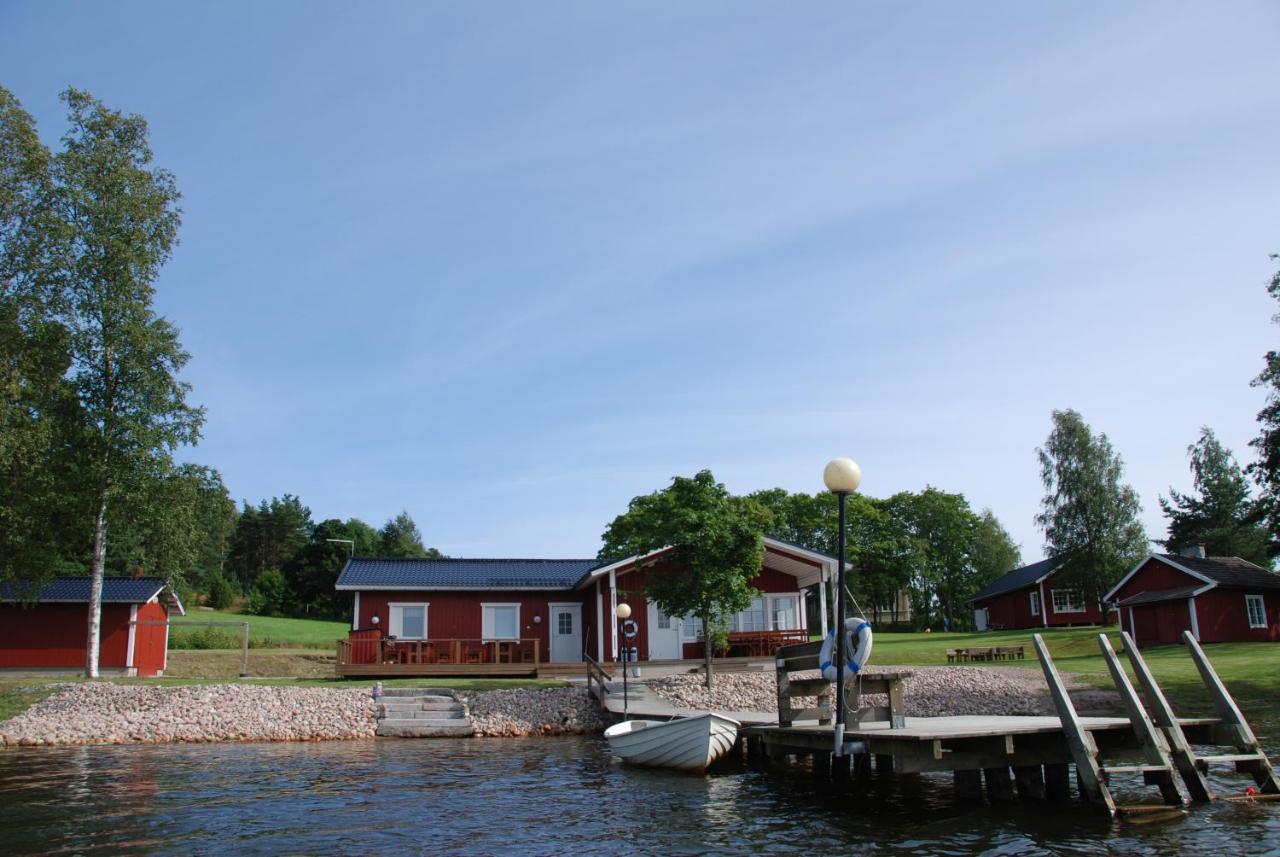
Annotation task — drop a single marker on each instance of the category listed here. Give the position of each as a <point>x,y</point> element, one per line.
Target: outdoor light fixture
<point>842,477</point>
<point>537,620</point>
<point>374,620</point>
<point>623,612</point>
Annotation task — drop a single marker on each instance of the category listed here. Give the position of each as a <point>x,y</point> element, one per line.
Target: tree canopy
<point>1265,470</point>
<point>1221,514</point>
<point>1089,516</point>
<point>716,548</point>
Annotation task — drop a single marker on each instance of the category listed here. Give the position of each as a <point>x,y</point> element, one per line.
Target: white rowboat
<point>686,744</point>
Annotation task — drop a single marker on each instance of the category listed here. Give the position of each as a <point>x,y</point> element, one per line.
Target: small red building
<point>51,633</point>
<point>1217,599</point>
<point>1028,597</point>
<point>494,612</point>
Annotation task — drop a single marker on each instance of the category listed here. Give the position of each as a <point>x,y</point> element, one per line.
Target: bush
<point>222,594</point>
<point>270,594</point>
<point>202,638</point>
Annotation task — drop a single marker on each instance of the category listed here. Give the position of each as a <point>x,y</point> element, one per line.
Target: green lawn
<point>270,630</point>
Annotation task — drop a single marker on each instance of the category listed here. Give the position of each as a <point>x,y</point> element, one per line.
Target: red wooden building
<point>51,633</point>
<point>511,615</point>
<point>1028,597</point>
<point>1217,599</point>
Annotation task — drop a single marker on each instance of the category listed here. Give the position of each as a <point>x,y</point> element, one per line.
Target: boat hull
<point>685,744</point>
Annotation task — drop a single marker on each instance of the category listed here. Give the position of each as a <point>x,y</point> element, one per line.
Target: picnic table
<point>986,653</point>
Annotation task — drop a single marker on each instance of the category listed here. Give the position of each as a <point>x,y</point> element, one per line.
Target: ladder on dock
<point>1165,748</point>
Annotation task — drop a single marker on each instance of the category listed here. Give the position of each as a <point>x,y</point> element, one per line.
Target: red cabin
<point>1217,599</point>
<point>510,616</point>
<point>51,633</point>
<point>1027,597</point>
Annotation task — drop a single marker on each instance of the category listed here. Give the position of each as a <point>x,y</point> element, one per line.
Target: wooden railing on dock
<point>801,658</point>
<point>597,679</point>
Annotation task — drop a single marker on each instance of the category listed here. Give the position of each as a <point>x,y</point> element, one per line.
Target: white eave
<point>1209,582</point>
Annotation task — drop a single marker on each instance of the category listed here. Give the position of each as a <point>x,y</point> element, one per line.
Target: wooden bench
<point>804,658</point>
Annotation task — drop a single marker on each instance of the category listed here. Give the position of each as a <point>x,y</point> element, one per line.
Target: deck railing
<point>384,650</point>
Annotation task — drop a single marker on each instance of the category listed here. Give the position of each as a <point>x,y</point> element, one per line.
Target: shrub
<point>270,594</point>
<point>222,594</point>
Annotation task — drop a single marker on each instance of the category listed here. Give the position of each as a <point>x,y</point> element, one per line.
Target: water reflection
<point>550,796</point>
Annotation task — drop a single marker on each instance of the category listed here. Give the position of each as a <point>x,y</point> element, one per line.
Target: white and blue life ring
<point>856,630</point>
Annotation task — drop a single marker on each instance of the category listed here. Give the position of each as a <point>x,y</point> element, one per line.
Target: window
<point>500,621</point>
<point>690,628</point>
<point>564,623</point>
<point>785,613</point>
<point>407,621</point>
<point>1257,610</point>
<point>751,619</point>
<point>1035,604</point>
<point>1068,601</point>
<point>664,621</point>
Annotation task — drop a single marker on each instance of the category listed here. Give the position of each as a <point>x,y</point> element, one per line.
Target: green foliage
<point>203,638</point>
<point>270,594</point>
<point>1090,518</point>
<point>715,541</point>
<point>400,538</point>
<point>222,592</point>
<point>313,570</point>
<point>1266,469</point>
<point>993,552</point>
<point>268,536</point>
<point>1222,518</point>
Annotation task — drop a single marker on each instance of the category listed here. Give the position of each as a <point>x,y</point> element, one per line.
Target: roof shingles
<point>479,574</point>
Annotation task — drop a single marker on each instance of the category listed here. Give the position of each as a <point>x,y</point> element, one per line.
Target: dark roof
<point>1158,595</point>
<point>1016,579</point>
<point>1228,571</point>
<point>115,590</point>
<point>362,573</point>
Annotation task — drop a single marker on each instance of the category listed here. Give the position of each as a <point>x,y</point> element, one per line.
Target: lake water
<point>537,796</point>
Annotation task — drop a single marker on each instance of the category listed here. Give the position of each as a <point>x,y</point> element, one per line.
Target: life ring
<point>855,657</point>
<point>630,629</point>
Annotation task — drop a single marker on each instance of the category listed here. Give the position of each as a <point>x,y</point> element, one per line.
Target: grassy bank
<point>264,632</point>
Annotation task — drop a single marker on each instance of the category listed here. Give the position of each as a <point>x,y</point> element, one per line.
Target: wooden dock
<point>1024,757</point>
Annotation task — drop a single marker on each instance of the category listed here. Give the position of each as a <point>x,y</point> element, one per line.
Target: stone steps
<point>410,713</point>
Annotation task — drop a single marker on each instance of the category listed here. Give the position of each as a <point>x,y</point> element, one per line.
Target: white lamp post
<point>842,477</point>
<point>623,612</point>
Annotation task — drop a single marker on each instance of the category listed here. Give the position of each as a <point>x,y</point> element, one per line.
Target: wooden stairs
<point>1164,746</point>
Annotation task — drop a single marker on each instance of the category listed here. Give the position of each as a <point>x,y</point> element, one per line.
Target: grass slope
<point>271,630</point>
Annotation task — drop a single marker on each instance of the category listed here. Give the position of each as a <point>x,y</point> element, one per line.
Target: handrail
<point>441,651</point>
<point>596,673</point>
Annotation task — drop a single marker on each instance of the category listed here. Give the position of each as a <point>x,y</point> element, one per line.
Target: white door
<point>664,636</point>
<point>566,632</point>
<point>980,619</point>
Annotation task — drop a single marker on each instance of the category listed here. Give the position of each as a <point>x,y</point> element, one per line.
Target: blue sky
<point>508,265</point>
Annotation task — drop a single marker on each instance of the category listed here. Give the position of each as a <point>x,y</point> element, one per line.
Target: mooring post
<point>1057,782</point>
<point>1030,782</point>
<point>999,784</point>
<point>884,763</point>
<point>822,765</point>
<point>968,785</point>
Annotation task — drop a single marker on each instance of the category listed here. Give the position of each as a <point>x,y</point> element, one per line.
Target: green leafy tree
<point>270,595</point>
<point>993,553</point>
<point>1089,516</point>
<point>38,517</point>
<point>313,571</point>
<point>119,220</point>
<point>222,592</point>
<point>716,542</point>
<point>1266,469</point>
<point>400,538</point>
<point>267,536</point>
<point>1220,516</point>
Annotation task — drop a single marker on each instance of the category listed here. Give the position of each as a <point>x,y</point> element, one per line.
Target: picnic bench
<point>986,653</point>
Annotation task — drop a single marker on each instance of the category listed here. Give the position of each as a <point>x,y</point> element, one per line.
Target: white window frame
<point>486,621</point>
<point>395,620</point>
<point>763,614</point>
<point>1249,601</point>
<point>1053,596</point>
<point>696,623</point>
<point>1034,598</point>
<point>793,597</point>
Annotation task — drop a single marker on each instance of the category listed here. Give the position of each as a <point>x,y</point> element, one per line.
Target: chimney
<point>1192,551</point>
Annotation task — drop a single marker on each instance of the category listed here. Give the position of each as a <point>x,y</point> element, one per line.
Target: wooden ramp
<point>1165,747</point>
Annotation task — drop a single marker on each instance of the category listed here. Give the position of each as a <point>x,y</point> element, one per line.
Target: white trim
<point>822,604</point>
<point>551,606</point>
<point>1195,623</point>
<point>1166,561</point>
<point>770,598</point>
<point>1133,630</point>
<point>355,613</point>
<point>1261,600</point>
<point>164,661</point>
<point>486,634</point>
<point>1044,611</point>
<point>823,560</point>
<point>1063,611</point>
<point>804,609</point>
<point>599,623</point>
<point>1034,604</point>
<point>133,633</point>
<point>392,624</point>
<point>613,613</point>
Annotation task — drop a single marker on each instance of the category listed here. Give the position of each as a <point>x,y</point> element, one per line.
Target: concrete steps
<point>410,713</point>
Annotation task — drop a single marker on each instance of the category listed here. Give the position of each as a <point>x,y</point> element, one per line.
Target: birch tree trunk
<point>95,587</point>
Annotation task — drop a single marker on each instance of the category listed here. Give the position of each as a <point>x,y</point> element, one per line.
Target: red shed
<point>52,632</point>
<point>1218,599</point>
<point>1027,597</point>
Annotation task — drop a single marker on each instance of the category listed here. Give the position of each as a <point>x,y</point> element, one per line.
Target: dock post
<point>840,768</point>
<point>884,763</point>
<point>755,750</point>
<point>968,785</point>
<point>1057,782</point>
<point>862,768</point>
<point>1030,782</point>
<point>999,784</point>
<point>822,765</point>
<point>1155,748</point>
